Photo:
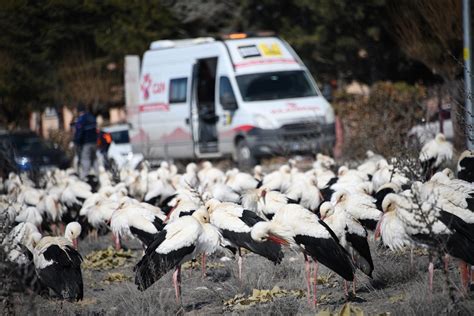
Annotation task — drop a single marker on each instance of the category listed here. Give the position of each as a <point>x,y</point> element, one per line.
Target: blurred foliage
<point>40,39</point>
<point>66,52</point>
<point>381,120</point>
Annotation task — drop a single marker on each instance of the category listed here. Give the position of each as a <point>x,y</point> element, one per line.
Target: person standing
<point>85,140</point>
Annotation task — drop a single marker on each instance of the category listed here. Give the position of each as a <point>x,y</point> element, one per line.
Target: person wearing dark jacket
<point>85,140</point>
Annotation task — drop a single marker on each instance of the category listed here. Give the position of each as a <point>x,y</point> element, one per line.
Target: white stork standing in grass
<point>434,154</point>
<point>352,236</point>
<point>21,234</point>
<point>235,224</point>
<point>240,181</point>
<point>387,173</point>
<point>58,264</point>
<point>181,207</point>
<point>222,192</point>
<point>428,227</point>
<point>465,167</point>
<point>180,241</point>
<point>392,229</point>
<point>210,174</point>
<point>264,202</point>
<point>136,221</point>
<point>258,173</point>
<point>452,199</point>
<point>29,214</point>
<point>304,190</point>
<point>359,206</point>
<point>189,179</point>
<point>385,189</point>
<point>302,230</point>
<point>279,180</point>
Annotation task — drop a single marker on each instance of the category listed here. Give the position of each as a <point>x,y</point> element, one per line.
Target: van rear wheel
<point>244,156</point>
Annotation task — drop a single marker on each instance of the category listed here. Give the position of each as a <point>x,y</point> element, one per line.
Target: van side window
<point>178,89</point>
<point>226,94</point>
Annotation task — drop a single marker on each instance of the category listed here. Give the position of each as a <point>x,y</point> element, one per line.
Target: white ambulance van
<point>240,96</point>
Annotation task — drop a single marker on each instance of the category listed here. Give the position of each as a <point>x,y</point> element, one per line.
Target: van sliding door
<point>203,108</point>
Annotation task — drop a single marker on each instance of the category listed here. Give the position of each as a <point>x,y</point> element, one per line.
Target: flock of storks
<point>328,214</point>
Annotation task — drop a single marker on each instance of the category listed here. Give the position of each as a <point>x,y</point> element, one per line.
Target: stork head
<point>382,163</point>
<point>342,171</point>
<point>263,194</point>
<point>206,164</point>
<point>389,203</point>
<point>339,197</point>
<point>440,138</point>
<point>202,215</point>
<point>73,230</point>
<point>326,210</point>
<point>449,173</point>
<point>211,205</point>
<point>257,170</point>
<point>35,238</point>
<point>262,232</point>
<point>191,168</point>
<point>285,169</point>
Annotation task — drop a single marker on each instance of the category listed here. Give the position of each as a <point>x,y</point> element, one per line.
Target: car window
<point>120,137</point>
<point>275,85</point>
<point>178,87</point>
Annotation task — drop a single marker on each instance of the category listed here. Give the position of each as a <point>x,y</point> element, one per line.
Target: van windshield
<point>275,85</point>
<point>120,137</point>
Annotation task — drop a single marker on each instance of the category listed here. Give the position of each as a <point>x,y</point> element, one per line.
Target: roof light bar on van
<point>246,35</point>
<point>164,44</point>
<point>236,36</point>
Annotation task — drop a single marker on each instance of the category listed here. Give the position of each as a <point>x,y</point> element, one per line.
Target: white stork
<point>301,229</point>
<point>235,223</point>
<point>178,242</point>
<point>58,264</point>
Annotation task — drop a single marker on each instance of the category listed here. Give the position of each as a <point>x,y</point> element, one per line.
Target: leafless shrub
<point>381,121</point>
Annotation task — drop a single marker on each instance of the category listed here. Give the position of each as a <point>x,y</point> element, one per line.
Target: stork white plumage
<point>58,264</point>
<point>359,206</point>
<point>264,202</point>
<point>434,153</point>
<point>352,236</point>
<point>465,167</point>
<point>240,181</point>
<point>302,230</point>
<point>235,224</point>
<point>136,221</point>
<point>177,243</point>
<point>21,234</point>
<point>29,214</point>
<point>427,226</point>
<point>279,180</point>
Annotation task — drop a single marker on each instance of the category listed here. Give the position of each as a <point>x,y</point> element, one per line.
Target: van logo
<point>270,50</point>
<point>148,86</point>
<point>293,107</point>
<point>145,86</point>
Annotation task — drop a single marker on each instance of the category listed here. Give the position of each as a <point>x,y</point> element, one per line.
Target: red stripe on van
<point>154,107</point>
<point>266,61</point>
<point>244,128</point>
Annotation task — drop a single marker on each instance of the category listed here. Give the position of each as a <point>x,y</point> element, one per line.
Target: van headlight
<point>329,115</point>
<point>263,122</point>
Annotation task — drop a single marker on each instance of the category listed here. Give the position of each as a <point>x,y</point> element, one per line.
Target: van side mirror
<point>228,102</point>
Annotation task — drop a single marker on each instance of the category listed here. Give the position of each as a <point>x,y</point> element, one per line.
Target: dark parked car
<point>30,152</point>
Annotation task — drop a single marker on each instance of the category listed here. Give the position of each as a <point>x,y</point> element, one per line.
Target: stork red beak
<point>169,213</point>
<point>277,240</point>
<point>263,194</point>
<point>378,229</point>
<point>75,243</point>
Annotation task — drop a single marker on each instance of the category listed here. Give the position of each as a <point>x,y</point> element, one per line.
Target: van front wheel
<point>244,156</point>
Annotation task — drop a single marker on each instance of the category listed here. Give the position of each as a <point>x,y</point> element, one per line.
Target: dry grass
<point>396,288</point>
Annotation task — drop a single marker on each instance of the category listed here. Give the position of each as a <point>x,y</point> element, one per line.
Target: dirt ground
<point>397,288</point>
